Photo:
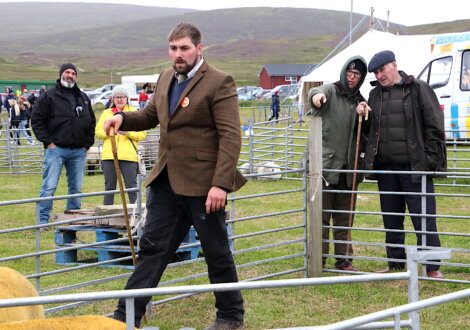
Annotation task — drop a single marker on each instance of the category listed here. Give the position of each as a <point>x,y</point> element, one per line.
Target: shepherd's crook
<point>121,190</point>
<point>352,204</point>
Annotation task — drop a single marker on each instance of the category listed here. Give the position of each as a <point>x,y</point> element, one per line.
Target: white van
<point>134,83</point>
<point>448,73</point>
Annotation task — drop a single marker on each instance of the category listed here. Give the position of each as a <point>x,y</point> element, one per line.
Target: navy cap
<point>380,59</point>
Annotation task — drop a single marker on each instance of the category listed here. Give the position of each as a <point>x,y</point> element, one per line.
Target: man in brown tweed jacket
<point>200,139</point>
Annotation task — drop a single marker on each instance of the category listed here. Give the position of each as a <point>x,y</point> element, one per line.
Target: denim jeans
<point>74,160</point>
<point>22,131</point>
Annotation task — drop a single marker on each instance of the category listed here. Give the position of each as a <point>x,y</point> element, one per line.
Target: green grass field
<point>273,308</point>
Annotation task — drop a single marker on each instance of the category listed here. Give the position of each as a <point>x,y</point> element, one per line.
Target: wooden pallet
<point>69,236</point>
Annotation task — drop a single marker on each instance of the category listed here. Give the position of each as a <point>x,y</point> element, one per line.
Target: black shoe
<point>122,318</point>
<point>221,324</point>
<point>114,317</point>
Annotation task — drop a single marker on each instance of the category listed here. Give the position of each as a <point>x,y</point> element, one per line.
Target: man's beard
<point>67,84</point>
<point>186,69</point>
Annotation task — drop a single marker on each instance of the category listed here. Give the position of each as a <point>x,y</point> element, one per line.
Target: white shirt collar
<point>192,73</point>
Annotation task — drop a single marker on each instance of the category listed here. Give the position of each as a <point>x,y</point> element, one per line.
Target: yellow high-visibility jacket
<point>125,150</point>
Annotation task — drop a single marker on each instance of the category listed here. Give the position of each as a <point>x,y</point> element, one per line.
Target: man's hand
<point>51,145</point>
<point>215,199</point>
<point>363,109</point>
<point>114,122</point>
<point>318,100</point>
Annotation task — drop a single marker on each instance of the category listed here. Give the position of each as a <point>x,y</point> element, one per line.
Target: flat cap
<point>380,59</point>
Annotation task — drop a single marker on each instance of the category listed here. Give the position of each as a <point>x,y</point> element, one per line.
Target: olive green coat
<point>339,124</point>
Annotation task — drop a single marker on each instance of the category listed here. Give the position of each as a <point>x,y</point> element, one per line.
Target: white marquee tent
<point>411,52</point>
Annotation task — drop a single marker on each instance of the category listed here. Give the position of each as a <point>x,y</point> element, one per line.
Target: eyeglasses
<point>353,74</point>
<point>120,97</point>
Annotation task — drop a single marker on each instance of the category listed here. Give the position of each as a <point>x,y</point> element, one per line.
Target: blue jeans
<point>22,131</point>
<point>74,160</point>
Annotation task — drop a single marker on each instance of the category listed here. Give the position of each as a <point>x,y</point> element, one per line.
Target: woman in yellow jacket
<point>126,143</point>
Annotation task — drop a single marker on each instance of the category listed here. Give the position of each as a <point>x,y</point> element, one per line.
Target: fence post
<point>423,217</point>
<point>250,146</point>
<point>305,212</point>
<point>37,259</point>
<point>9,142</point>
<point>315,202</point>
<point>130,316</point>
<point>286,151</point>
<point>454,162</point>
<point>413,285</point>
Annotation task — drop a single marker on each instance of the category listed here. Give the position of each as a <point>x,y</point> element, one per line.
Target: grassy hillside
<point>28,20</point>
<point>446,27</point>
<point>218,27</point>
<point>238,41</point>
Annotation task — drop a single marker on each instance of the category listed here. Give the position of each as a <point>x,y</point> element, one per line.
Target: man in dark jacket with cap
<point>64,122</point>
<point>406,134</point>
<point>274,106</point>
<point>337,103</point>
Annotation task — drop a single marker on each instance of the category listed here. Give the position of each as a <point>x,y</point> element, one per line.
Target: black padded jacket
<point>56,119</point>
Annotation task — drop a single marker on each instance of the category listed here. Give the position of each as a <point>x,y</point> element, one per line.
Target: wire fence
<point>50,257</point>
<point>271,237</point>
<point>363,322</point>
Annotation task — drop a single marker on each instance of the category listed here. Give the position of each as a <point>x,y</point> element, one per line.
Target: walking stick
<point>123,196</point>
<point>123,199</point>
<point>352,204</point>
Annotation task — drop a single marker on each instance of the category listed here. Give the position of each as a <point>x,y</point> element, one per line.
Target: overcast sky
<point>407,12</point>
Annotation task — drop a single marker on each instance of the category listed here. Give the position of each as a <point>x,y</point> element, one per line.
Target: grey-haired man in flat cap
<point>406,134</point>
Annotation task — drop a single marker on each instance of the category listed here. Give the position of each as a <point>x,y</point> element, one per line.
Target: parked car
<point>284,91</point>
<point>99,90</point>
<point>102,98</point>
<point>248,92</point>
<point>28,93</point>
<point>261,94</point>
<point>245,89</point>
<point>92,94</point>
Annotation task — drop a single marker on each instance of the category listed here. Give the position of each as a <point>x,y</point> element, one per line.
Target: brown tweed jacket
<point>200,144</point>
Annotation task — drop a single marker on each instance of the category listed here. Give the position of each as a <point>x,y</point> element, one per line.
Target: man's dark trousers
<point>397,203</point>
<point>339,202</point>
<point>169,217</point>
